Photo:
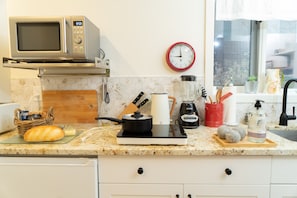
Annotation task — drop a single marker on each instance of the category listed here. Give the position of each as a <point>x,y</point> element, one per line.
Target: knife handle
<point>138,97</point>
<point>143,103</point>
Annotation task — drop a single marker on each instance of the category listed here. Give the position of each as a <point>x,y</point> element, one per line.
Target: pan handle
<point>110,119</point>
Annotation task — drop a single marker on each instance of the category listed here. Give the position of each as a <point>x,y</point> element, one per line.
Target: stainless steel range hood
<point>98,67</point>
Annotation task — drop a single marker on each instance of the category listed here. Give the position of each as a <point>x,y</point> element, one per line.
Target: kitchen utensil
<point>71,106</point>
<point>105,93</point>
<point>132,107</point>
<point>203,92</point>
<point>160,108</point>
<point>218,95</point>
<point>225,96</point>
<point>142,103</point>
<point>133,123</point>
<point>210,99</point>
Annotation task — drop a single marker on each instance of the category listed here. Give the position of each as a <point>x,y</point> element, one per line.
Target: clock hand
<point>180,52</point>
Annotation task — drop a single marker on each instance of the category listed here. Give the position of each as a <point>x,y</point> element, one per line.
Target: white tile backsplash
<point>122,90</point>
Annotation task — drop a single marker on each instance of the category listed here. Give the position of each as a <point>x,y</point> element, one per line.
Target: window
<point>245,46</point>
<point>232,52</point>
<point>236,52</point>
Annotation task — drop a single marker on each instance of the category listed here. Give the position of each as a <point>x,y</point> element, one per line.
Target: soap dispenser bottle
<point>257,124</point>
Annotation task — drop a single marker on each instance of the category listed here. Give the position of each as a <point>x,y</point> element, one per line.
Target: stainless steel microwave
<point>64,38</point>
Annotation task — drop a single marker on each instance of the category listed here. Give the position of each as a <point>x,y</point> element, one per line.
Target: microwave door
<point>38,38</point>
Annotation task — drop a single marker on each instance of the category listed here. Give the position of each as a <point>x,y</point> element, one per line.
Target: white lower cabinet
<point>184,177</point>
<point>284,177</point>
<point>283,191</point>
<point>46,177</point>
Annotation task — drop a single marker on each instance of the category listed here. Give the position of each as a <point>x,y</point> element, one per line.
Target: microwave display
<point>77,23</point>
<point>38,36</point>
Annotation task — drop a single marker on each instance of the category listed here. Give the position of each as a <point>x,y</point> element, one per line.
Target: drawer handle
<point>177,195</point>
<point>228,171</point>
<point>189,196</point>
<point>140,171</point>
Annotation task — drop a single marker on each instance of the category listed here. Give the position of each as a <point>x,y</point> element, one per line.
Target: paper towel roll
<point>229,114</point>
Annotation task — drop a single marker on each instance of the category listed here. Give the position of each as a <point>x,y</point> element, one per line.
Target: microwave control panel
<point>78,33</point>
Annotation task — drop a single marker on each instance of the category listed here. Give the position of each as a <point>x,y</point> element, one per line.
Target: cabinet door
<point>283,191</point>
<point>223,191</point>
<point>29,177</point>
<point>283,170</point>
<point>140,191</point>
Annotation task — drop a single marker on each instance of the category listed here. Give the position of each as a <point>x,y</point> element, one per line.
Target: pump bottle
<point>257,124</point>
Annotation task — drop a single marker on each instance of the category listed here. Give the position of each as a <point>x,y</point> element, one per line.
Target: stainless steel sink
<point>286,133</point>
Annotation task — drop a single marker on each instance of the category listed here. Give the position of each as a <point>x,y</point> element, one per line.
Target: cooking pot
<point>133,123</point>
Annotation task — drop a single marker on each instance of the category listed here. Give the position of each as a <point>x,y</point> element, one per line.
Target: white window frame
<point>209,50</point>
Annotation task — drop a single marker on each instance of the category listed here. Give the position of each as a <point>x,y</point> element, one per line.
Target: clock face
<point>180,56</point>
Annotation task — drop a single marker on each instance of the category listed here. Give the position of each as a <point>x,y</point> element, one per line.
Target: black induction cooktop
<point>160,134</point>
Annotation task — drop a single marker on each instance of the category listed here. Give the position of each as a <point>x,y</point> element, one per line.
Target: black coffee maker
<point>188,114</point>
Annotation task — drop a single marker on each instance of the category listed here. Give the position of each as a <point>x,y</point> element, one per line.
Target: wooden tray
<point>244,143</point>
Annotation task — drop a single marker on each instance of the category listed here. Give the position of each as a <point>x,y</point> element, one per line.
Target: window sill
<point>267,98</point>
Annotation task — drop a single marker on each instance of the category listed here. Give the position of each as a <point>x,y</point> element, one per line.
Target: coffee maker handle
<point>172,104</point>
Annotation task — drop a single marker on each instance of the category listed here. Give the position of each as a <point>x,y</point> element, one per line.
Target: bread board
<point>245,143</point>
<point>71,106</point>
<point>17,139</point>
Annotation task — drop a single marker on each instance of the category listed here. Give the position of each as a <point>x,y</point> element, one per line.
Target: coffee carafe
<point>188,114</point>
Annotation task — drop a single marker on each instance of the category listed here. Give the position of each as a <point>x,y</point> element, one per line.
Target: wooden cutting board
<point>71,106</point>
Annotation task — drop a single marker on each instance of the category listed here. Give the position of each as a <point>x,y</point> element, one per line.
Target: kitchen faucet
<point>283,120</point>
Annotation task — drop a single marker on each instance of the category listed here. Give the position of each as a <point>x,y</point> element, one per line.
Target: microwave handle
<point>64,42</point>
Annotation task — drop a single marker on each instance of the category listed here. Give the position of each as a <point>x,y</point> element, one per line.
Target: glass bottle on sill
<point>251,85</point>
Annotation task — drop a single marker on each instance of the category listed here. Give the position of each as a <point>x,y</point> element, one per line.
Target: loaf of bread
<point>44,133</point>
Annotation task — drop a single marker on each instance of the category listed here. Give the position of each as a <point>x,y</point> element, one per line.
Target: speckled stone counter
<point>101,140</point>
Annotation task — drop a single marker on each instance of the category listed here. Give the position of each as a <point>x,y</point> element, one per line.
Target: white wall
<point>4,72</point>
<point>135,34</point>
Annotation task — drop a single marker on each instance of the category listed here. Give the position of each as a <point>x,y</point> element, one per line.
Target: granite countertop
<point>101,140</point>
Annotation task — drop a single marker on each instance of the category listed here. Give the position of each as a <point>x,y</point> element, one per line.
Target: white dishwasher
<point>48,177</point>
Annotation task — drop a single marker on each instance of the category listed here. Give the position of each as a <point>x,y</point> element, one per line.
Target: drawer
<point>198,169</point>
<point>138,169</point>
<point>233,170</point>
<point>284,169</point>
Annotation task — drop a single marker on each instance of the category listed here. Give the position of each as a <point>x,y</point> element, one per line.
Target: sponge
<point>232,136</point>
<point>241,131</point>
<point>222,130</point>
